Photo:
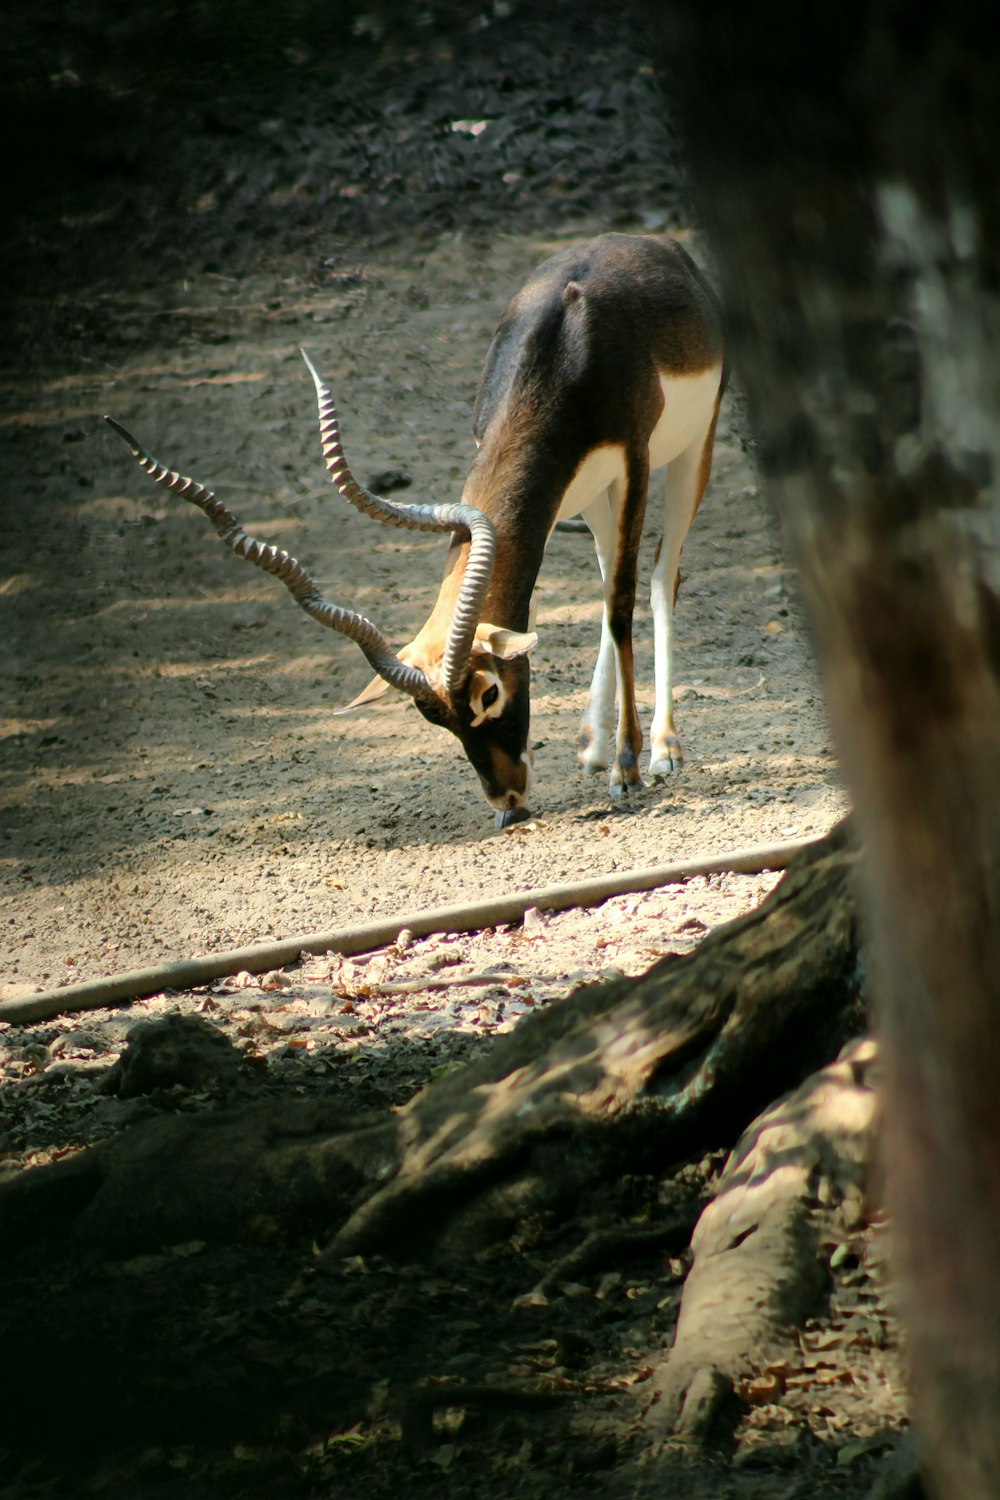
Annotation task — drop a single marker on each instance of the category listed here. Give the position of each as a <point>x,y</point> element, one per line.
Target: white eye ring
<point>492,689</point>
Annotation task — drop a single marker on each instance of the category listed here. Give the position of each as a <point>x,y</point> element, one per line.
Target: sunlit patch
<point>19,583</point>
<point>15,727</point>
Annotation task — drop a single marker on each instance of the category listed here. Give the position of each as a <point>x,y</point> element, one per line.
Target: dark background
<point>200,133</point>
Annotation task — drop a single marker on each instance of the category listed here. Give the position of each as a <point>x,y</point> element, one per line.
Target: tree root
<point>623,1076</point>
<point>620,1079</point>
<point>415,1409</point>
<point>630,1075</point>
<point>796,1182</point>
<point>605,1247</point>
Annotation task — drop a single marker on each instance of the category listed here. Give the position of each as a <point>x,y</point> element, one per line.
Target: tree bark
<point>845,164</point>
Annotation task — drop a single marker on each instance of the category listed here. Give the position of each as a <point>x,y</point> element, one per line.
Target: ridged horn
<point>464,521</point>
<point>292,574</point>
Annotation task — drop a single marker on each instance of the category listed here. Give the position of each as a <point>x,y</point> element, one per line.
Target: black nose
<point>511,815</point>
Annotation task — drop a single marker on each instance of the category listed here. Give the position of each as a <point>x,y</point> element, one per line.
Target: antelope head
<point>473,675</point>
<point>464,674</point>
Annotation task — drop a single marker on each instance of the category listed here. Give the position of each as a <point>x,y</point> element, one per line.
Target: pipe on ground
<point>186,973</point>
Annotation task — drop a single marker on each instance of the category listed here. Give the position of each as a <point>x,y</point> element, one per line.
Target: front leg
<point>620,608</point>
<point>597,727</point>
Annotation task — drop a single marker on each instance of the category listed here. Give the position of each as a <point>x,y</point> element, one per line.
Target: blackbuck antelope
<point>608,363</point>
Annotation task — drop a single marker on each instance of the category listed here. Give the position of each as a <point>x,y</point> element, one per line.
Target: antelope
<point>607,363</point>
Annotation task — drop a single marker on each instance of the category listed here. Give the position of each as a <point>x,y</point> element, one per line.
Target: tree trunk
<point>845,163</point>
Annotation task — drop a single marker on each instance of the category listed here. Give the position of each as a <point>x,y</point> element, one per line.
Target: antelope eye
<point>490,696</point>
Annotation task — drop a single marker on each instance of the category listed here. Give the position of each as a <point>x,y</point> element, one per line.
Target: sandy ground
<point>174,780</point>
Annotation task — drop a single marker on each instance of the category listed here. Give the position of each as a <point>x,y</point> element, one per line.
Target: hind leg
<point>687,477</point>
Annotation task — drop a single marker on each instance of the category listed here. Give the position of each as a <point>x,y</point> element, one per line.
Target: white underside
<point>597,489</point>
<point>688,406</point>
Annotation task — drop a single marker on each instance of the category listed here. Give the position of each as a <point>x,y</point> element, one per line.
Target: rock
<point>178,1051</point>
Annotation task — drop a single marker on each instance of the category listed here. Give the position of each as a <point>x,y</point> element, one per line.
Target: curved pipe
<point>292,574</point>
<point>464,521</point>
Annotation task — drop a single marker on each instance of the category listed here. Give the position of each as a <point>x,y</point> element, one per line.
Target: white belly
<point>688,406</point>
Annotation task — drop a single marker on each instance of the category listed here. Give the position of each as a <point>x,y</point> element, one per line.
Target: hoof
<point>593,763</point>
<point>623,783</point>
<point>590,754</point>
<point>666,758</point>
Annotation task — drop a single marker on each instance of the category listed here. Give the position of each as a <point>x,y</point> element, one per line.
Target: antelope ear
<point>376,689</point>
<point>505,644</point>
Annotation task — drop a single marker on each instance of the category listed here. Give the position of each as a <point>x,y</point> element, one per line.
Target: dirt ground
<point>174,780</point>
